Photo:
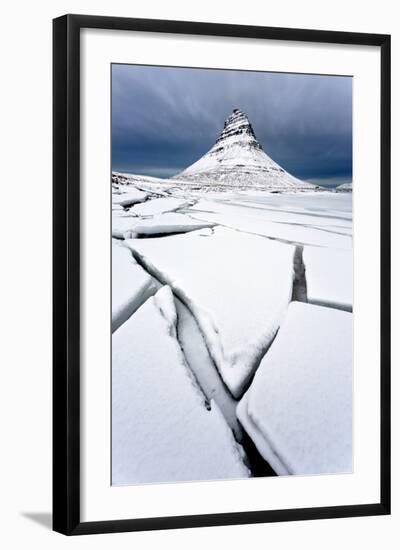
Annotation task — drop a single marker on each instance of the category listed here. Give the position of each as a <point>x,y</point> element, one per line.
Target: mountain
<point>344,188</point>
<point>237,160</point>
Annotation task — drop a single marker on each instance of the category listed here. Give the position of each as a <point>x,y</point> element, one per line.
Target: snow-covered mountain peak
<point>237,160</point>
<point>237,128</point>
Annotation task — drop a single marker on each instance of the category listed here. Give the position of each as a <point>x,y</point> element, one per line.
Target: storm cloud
<point>165,118</point>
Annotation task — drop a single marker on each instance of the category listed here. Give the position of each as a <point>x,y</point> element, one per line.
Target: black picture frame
<point>66,272</point>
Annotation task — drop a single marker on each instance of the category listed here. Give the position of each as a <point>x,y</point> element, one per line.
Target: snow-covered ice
<point>298,409</point>
<point>329,276</point>
<point>159,206</point>
<point>161,428</point>
<point>285,217</point>
<point>128,197</point>
<point>233,282</point>
<point>324,202</point>
<point>131,285</point>
<point>125,225</point>
<point>169,223</point>
<point>236,285</point>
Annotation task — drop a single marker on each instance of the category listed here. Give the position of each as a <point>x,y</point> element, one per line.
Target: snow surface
<point>236,285</point>
<point>298,410</point>
<point>169,223</point>
<point>131,285</point>
<point>161,428</point>
<point>329,276</point>
<point>158,206</point>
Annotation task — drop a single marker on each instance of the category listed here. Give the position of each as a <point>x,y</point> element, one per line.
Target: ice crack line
<point>306,213</point>
<point>278,239</point>
<point>299,281</point>
<point>197,356</point>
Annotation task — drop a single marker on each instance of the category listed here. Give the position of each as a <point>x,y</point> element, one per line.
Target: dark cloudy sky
<point>165,118</point>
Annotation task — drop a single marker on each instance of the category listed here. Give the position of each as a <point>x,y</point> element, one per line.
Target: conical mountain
<point>237,160</point>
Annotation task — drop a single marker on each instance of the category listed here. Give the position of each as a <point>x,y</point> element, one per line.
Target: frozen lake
<point>234,263</point>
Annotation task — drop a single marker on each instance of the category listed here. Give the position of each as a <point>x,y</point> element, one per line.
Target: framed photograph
<point>221,274</point>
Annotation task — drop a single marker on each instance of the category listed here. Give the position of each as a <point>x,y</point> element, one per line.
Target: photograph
<point>231,212</point>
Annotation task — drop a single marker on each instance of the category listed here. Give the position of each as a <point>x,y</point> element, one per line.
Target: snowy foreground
<point>232,332</point>
<point>161,429</point>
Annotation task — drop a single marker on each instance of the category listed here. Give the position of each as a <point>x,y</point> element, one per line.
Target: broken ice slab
<point>161,428</point>
<point>127,226</point>
<point>298,409</point>
<point>329,276</point>
<point>237,286</point>
<point>169,223</point>
<point>123,225</point>
<point>129,197</point>
<point>131,285</point>
<point>159,206</point>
